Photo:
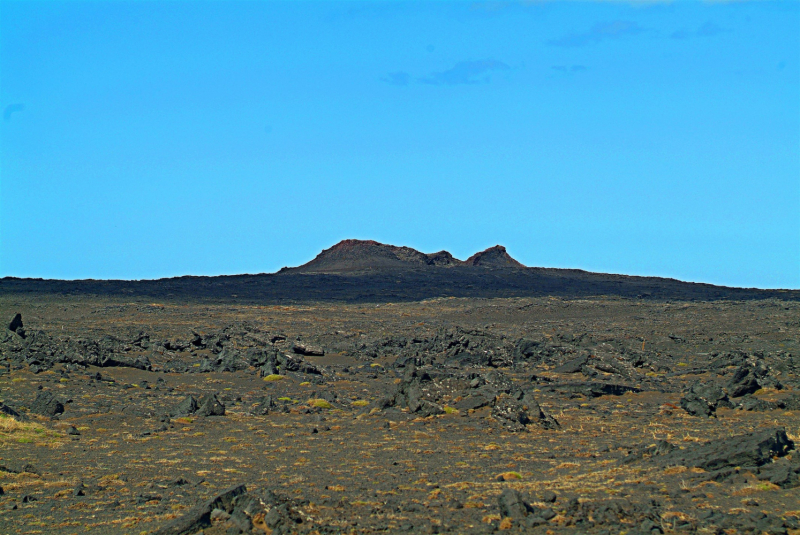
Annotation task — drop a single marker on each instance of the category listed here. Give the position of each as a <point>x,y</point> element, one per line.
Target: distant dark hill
<point>493,257</point>
<point>367,271</point>
<point>349,256</point>
<point>360,255</point>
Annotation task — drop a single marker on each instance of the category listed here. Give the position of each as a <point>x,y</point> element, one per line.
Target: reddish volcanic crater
<point>361,255</point>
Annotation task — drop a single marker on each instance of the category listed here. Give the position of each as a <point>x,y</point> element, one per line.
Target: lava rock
<point>792,403</point>
<point>703,399</point>
<point>262,406</point>
<point>410,394</point>
<point>697,406</point>
<point>661,447</point>
<point>549,496</point>
<point>785,475</point>
<point>573,366</point>
<point>512,413</point>
<point>209,405</point>
<point>526,349</point>
<point>186,407</point>
<point>26,468</point>
<point>539,417</point>
<point>750,403</point>
<point>306,349</point>
<point>11,412</point>
<point>749,450</point>
<point>743,382</point>
<point>474,401</point>
<point>47,404</point>
<point>512,505</point>
<point>219,515</point>
<point>200,517</point>
<point>16,323</point>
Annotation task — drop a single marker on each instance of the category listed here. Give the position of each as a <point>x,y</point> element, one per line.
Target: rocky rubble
<point>446,417</point>
<point>514,408</point>
<point>236,510</point>
<point>750,375</point>
<point>749,451</point>
<point>231,349</point>
<point>208,405</point>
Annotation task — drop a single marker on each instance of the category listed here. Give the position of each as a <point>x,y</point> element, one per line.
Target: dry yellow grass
<point>13,431</point>
<point>10,425</point>
<point>568,465</point>
<point>761,486</point>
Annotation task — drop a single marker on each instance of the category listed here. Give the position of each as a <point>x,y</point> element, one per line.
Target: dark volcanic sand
<point>624,457</point>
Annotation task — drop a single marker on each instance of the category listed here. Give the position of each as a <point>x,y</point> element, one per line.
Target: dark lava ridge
<point>363,271</point>
<point>364,255</point>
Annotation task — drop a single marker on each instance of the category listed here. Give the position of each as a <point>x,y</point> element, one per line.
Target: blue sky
<point>152,139</point>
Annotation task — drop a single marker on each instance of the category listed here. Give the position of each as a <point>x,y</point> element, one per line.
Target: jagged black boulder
<point>16,323</point>
<point>784,474</point>
<point>302,348</point>
<point>262,406</point>
<point>209,405</point>
<point>519,410</point>
<point>703,399</point>
<point>410,393</point>
<point>573,366</point>
<point>751,403</point>
<point>696,406</point>
<point>511,412</point>
<point>526,349</point>
<point>200,517</point>
<point>512,505</point>
<point>750,450</point>
<point>743,382</point>
<point>47,404</point>
<point>186,407</point>
<point>474,401</point>
<point>10,412</point>
<point>539,417</point>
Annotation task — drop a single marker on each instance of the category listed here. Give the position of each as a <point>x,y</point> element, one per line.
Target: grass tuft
<point>273,377</point>
<point>12,430</point>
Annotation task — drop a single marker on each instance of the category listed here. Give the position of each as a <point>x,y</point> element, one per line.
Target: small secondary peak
<point>496,256</point>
